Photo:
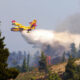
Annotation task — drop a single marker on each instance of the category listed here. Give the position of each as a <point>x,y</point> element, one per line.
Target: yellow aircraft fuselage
<point>20,27</point>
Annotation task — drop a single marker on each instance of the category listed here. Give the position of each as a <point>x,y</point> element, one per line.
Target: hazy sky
<point>48,13</point>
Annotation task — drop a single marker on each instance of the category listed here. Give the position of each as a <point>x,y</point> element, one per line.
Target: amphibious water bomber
<point>20,27</point>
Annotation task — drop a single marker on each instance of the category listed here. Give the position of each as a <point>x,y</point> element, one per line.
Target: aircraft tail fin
<point>33,24</point>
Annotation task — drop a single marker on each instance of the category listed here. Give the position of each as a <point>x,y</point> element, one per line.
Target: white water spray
<point>47,37</point>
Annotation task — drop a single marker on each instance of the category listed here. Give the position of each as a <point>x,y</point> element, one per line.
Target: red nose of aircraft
<point>13,22</point>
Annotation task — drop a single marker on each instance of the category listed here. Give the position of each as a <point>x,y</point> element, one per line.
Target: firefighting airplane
<point>20,27</point>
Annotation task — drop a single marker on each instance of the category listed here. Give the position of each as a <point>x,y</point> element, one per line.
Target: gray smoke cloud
<point>71,24</point>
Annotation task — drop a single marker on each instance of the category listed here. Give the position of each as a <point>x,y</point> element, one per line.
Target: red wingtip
<point>13,21</point>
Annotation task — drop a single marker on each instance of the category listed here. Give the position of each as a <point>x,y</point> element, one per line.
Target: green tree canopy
<point>4,53</point>
<point>24,66</point>
<point>53,76</point>
<point>43,63</point>
<point>71,71</point>
<point>63,57</point>
<point>73,50</point>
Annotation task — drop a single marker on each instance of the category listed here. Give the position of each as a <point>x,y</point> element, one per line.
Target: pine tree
<point>24,66</point>
<point>71,70</point>
<point>43,63</point>
<point>28,60</point>
<point>73,50</point>
<point>4,53</point>
<point>63,57</point>
<point>79,52</point>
